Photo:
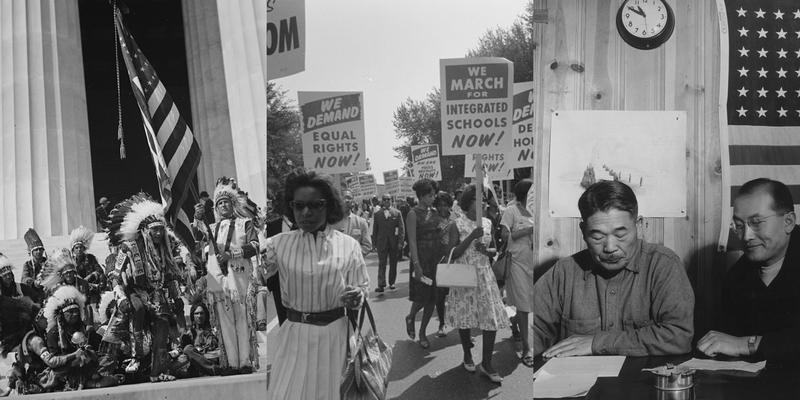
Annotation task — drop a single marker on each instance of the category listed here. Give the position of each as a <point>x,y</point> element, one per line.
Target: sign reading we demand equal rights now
<point>477,102</point>
<point>425,162</point>
<point>333,131</point>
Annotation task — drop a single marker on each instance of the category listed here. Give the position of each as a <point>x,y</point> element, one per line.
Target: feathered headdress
<point>59,262</point>
<point>243,207</point>
<point>65,298</point>
<point>226,189</point>
<point>105,301</point>
<point>132,215</point>
<point>81,236</point>
<point>5,264</point>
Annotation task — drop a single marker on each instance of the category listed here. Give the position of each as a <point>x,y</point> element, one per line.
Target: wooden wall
<point>583,64</point>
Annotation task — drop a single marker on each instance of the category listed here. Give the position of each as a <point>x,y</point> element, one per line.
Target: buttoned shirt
<point>315,268</point>
<point>645,309</point>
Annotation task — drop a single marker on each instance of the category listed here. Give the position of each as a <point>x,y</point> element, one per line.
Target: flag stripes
<point>764,155</point>
<point>172,145</point>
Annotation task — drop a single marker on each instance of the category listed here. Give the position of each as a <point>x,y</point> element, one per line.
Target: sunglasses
<point>313,205</point>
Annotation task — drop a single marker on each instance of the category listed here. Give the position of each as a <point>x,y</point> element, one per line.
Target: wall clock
<point>645,24</point>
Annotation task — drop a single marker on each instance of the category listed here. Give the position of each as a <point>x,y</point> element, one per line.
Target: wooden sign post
<point>479,190</point>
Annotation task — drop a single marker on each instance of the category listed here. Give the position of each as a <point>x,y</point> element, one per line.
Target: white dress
<point>314,270</point>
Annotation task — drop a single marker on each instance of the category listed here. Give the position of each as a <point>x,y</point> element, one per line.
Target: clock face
<point>644,18</point>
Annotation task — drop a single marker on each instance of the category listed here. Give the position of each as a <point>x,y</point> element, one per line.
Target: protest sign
<point>367,186</point>
<point>391,181</point>
<point>495,166</point>
<point>352,185</point>
<point>425,162</point>
<point>406,184</point>
<point>286,38</point>
<point>522,119</point>
<point>333,131</point>
<point>477,95</point>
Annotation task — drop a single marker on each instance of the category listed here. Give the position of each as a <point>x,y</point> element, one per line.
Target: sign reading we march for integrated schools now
<point>477,95</point>
<point>333,131</point>
<point>425,162</point>
<point>522,156</point>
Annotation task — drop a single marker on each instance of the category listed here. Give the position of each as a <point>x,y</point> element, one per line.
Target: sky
<point>390,50</point>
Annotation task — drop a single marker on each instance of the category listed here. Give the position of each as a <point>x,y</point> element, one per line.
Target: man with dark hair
<point>621,295</point>
<point>388,231</point>
<point>760,297</point>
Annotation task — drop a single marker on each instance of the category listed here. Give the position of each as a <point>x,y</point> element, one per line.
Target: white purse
<point>456,275</point>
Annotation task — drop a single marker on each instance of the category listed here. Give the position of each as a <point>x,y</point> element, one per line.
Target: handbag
<point>367,371</point>
<point>501,267</point>
<point>456,275</point>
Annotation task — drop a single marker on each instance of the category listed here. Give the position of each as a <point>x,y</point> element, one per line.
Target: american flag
<point>175,151</point>
<point>760,103</point>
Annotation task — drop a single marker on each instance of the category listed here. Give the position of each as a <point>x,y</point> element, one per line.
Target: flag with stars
<point>173,147</point>
<point>759,97</point>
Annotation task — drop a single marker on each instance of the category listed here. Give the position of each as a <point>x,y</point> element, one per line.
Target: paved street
<point>435,373</point>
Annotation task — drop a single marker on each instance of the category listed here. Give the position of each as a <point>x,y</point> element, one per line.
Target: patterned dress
<point>480,307</point>
<point>314,270</point>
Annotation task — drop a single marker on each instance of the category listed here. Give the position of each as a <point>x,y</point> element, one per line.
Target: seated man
<point>201,344</point>
<point>760,296</point>
<point>622,295</point>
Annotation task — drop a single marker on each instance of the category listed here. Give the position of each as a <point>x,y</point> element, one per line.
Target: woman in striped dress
<point>322,273</point>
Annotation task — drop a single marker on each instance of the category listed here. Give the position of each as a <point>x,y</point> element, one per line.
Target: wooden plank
<point>681,75</point>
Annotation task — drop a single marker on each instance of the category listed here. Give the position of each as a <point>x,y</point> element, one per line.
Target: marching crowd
<point>317,241</point>
<point>77,323</point>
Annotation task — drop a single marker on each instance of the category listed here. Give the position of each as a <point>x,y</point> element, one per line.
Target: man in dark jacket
<point>761,300</point>
<point>388,231</point>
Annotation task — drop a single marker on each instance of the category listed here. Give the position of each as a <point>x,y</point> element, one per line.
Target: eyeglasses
<point>755,223</point>
<point>312,205</point>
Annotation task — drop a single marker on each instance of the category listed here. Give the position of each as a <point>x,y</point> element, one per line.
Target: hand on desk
<point>715,343</point>
<point>578,345</point>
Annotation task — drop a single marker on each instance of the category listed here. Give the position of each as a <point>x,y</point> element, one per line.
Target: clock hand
<point>639,11</point>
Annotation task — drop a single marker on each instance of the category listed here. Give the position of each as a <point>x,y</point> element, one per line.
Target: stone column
<point>45,158</point>
<point>226,56</point>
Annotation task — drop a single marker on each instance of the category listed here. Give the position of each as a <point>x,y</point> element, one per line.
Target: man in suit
<point>355,226</point>
<point>388,231</point>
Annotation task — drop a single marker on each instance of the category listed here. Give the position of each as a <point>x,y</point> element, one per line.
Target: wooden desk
<point>633,384</point>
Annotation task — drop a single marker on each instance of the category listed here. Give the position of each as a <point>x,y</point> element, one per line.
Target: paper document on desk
<point>556,387</point>
<point>573,376</point>
<point>598,365</point>
<point>714,365</point>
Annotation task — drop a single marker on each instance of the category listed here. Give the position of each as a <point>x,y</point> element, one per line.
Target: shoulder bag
<point>366,375</point>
